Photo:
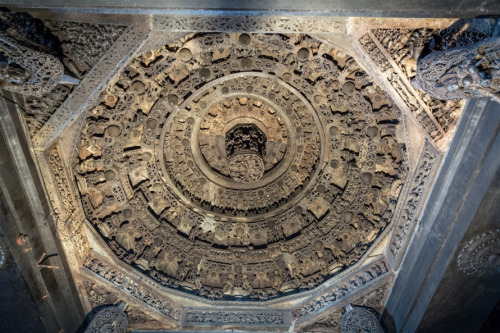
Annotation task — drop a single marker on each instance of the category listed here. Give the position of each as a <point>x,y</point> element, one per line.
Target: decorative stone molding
<point>331,321</point>
<point>131,286</point>
<point>341,290</point>
<point>481,255</point>
<point>470,71</point>
<point>230,316</point>
<point>358,319</point>
<point>254,24</point>
<point>406,222</point>
<point>109,319</point>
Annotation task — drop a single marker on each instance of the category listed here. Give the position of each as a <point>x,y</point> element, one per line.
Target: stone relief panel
<point>331,322</point>
<point>48,50</point>
<point>99,296</point>
<point>253,24</point>
<point>342,290</point>
<point>156,158</point>
<point>235,317</point>
<point>406,222</point>
<point>396,52</point>
<point>128,284</point>
<point>66,209</point>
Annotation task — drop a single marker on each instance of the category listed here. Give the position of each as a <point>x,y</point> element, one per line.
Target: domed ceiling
<point>241,166</point>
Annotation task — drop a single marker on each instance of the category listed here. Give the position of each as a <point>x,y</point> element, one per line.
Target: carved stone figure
<point>464,72</point>
<point>26,70</point>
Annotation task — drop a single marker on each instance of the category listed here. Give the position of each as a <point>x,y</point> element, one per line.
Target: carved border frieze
<point>257,24</point>
<point>329,296</point>
<point>406,222</point>
<point>129,285</point>
<point>64,203</point>
<point>228,316</point>
<point>330,320</point>
<point>401,85</point>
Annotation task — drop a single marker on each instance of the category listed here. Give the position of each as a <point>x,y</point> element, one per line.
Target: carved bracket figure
<point>465,72</point>
<point>25,70</point>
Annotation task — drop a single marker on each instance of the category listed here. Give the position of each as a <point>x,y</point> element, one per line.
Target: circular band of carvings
<point>481,255</point>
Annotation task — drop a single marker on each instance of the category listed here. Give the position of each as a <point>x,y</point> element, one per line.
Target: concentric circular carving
<point>243,166</point>
<point>481,255</point>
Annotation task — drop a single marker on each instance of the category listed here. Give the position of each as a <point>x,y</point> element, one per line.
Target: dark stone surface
<point>462,303</point>
<point>18,312</point>
<point>429,291</point>
<point>381,8</point>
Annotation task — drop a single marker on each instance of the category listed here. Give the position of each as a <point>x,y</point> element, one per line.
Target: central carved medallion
<point>245,148</point>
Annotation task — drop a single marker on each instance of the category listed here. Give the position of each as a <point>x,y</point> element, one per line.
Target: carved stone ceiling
<point>277,174</point>
<point>180,189</point>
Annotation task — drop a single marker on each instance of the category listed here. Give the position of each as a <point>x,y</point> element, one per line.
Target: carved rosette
<point>110,319</point>
<point>214,162</point>
<point>358,319</point>
<point>481,255</point>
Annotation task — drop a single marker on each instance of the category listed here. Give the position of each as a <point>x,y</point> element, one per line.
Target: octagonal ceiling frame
<point>56,139</point>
